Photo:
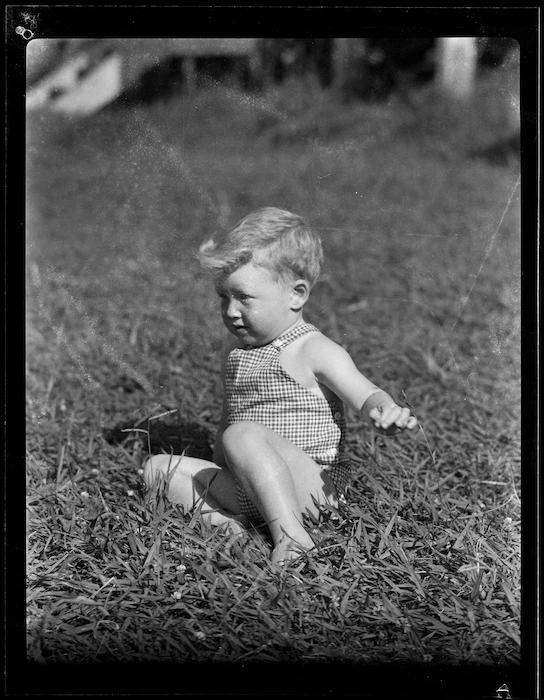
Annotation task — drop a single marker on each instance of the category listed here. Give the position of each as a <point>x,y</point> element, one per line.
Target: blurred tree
<point>302,58</point>
<point>348,65</point>
<point>394,64</point>
<point>495,51</point>
<point>456,62</point>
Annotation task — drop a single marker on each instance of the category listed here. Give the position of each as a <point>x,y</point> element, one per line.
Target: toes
<point>288,550</point>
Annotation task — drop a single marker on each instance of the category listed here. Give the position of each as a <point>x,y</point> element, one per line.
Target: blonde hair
<point>272,238</point>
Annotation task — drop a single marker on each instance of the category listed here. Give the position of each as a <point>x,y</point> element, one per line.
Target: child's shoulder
<point>316,342</point>
<point>321,352</point>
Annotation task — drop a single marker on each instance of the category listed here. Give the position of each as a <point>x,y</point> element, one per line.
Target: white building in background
<point>80,76</point>
<point>78,86</point>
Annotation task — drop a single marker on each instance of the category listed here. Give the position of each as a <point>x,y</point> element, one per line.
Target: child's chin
<point>247,338</point>
<point>239,332</point>
<point>243,334</point>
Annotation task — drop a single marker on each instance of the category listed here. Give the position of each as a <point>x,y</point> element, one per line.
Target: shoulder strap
<point>296,332</point>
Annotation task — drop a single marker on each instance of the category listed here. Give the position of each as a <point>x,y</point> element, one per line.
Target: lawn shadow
<point>173,436</point>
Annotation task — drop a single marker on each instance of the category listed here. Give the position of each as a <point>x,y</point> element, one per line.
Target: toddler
<point>280,447</point>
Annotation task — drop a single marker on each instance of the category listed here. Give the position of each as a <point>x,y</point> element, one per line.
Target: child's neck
<point>299,321</point>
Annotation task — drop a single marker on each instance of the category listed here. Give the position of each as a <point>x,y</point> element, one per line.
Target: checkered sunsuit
<point>258,389</point>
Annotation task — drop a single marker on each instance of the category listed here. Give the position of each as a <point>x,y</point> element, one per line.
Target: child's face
<point>256,307</point>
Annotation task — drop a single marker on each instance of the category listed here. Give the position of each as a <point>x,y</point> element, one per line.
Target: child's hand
<point>387,417</point>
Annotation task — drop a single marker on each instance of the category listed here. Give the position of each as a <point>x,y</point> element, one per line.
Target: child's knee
<point>156,467</point>
<point>238,435</point>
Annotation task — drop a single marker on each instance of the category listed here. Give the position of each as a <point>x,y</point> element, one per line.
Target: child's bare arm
<point>333,367</point>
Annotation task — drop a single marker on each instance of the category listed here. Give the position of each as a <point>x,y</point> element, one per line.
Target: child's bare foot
<point>232,524</point>
<point>288,549</point>
<point>237,525</point>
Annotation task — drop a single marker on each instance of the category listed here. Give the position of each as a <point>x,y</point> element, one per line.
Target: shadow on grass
<point>173,436</point>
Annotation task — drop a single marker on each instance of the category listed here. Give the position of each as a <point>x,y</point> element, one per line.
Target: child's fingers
<point>375,412</point>
<point>394,416</point>
<point>412,423</point>
<point>402,418</point>
<point>375,415</point>
<point>390,416</point>
<point>406,421</point>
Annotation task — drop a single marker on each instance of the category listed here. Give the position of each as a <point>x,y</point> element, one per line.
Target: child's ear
<point>300,294</point>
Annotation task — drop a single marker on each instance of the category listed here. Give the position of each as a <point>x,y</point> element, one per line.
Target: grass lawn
<point>422,286</point>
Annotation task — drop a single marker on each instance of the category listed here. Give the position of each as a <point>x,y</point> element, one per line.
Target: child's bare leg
<point>193,481</point>
<point>281,480</point>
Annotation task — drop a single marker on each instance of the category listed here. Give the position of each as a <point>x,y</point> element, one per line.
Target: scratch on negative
<point>488,251</point>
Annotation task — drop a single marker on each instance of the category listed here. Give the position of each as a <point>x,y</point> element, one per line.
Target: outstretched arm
<point>334,368</point>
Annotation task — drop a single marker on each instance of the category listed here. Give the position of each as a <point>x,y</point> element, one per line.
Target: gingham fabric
<point>258,389</point>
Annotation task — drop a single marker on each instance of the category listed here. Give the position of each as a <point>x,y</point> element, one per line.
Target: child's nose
<point>233,310</point>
